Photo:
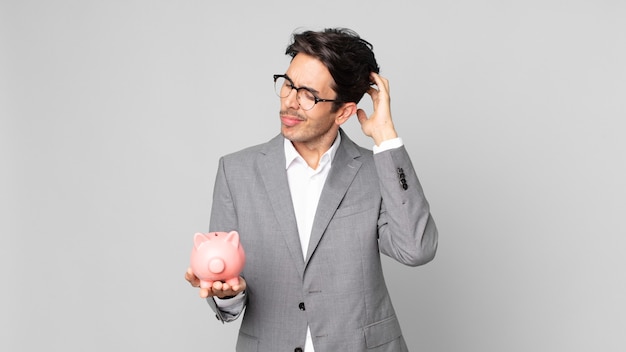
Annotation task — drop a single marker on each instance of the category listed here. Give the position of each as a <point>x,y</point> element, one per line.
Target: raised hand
<point>378,125</point>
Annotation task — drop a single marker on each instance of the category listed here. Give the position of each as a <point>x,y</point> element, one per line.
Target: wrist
<point>231,297</point>
<point>387,145</point>
<point>383,136</point>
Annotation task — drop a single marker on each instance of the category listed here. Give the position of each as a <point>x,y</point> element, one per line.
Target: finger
<point>377,79</point>
<point>373,93</point>
<point>236,288</point>
<point>381,82</point>
<point>204,292</point>
<point>217,286</point>
<point>225,287</point>
<point>240,286</point>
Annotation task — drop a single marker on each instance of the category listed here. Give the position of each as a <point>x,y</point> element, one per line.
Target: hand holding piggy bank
<point>217,256</point>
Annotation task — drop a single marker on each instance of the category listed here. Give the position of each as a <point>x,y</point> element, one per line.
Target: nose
<point>291,100</point>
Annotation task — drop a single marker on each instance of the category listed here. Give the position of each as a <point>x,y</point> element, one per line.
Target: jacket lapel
<point>271,163</point>
<point>344,168</point>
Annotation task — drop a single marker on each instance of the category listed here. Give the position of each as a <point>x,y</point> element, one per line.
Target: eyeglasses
<point>283,85</point>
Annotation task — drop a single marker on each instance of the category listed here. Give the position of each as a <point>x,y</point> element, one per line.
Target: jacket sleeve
<point>406,229</point>
<point>224,218</point>
<point>231,311</point>
<point>223,214</point>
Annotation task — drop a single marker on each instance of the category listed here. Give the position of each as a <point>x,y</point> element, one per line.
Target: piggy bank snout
<point>216,265</point>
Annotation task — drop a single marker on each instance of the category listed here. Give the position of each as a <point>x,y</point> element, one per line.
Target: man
<point>314,210</point>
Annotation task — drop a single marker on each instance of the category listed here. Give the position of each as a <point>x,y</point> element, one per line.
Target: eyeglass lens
<point>284,87</point>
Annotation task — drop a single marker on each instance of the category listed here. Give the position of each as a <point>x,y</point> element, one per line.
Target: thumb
<point>191,277</point>
<point>361,116</point>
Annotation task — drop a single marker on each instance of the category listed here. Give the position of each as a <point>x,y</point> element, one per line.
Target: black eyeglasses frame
<point>297,89</point>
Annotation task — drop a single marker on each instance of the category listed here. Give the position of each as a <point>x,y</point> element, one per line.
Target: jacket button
<point>301,306</point>
<point>298,349</point>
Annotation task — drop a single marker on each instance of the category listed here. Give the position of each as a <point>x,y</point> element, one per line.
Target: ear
<point>199,238</point>
<point>233,238</point>
<point>344,113</point>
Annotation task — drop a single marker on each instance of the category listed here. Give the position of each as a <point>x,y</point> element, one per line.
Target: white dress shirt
<point>305,184</point>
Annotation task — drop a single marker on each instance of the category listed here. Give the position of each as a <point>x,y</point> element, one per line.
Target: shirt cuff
<point>387,145</point>
<point>225,304</point>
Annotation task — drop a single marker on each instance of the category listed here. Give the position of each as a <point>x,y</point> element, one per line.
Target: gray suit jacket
<point>370,204</point>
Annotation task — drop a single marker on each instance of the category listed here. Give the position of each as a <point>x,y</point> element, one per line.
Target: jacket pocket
<point>350,210</point>
<point>382,332</point>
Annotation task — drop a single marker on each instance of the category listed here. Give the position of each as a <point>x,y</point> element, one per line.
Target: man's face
<point>298,125</point>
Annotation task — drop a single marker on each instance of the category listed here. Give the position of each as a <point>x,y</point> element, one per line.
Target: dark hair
<point>349,59</point>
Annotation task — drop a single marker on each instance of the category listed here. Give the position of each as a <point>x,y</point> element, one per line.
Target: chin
<point>290,135</point>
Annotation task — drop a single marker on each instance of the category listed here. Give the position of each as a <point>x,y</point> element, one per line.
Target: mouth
<point>289,119</point>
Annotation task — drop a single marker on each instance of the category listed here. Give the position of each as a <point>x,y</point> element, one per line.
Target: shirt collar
<point>291,154</point>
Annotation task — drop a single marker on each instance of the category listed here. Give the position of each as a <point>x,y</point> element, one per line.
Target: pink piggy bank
<point>217,256</point>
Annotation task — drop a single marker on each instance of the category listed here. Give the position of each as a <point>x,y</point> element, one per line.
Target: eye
<point>307,95</point>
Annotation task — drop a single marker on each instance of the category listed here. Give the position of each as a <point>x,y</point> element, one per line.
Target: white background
<point>114,115</point>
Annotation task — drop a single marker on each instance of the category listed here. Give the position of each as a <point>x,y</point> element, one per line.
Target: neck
<point>312,152</point>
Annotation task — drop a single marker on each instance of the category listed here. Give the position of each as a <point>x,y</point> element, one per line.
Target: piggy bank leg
<point>232,282</point>
<point>206,284</point>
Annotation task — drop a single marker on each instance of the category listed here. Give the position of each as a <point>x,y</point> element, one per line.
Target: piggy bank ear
<point>199,238</point>
<point>233,238</point>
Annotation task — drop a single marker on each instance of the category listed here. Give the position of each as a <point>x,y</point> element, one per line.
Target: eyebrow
<point>312,90</point>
